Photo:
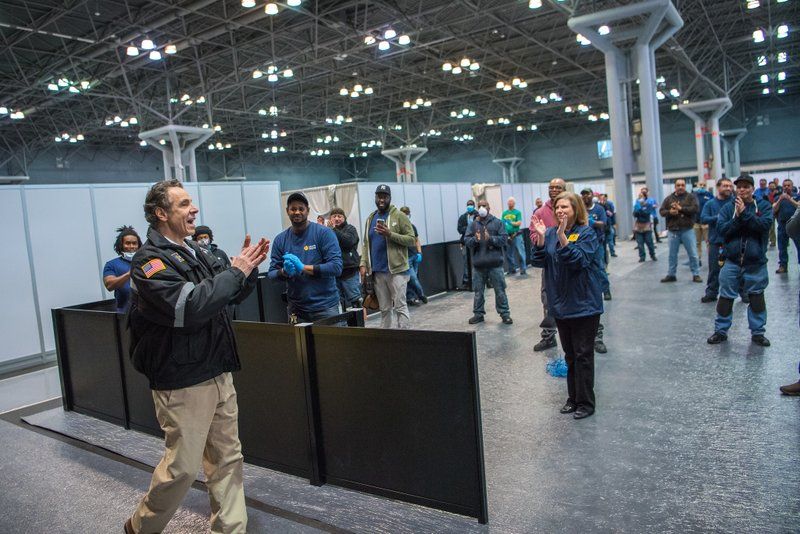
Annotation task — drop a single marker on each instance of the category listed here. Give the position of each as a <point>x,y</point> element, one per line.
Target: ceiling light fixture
<point>171,49</point>
<point>271,8</point>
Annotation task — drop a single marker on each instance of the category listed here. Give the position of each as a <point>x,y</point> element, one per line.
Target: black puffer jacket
<point>347,235</point>
<point>487,252</point>
<point>181,333</point>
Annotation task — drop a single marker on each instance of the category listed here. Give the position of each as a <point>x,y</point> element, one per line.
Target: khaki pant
<point>391,292</point>
<point>200,427</point>
<point>701,235</point>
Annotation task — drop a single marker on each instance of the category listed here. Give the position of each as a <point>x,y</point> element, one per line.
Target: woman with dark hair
<point>117,272</point>
<point>574,294</point>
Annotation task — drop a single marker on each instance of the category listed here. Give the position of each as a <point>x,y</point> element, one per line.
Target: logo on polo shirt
<point>310,247</point>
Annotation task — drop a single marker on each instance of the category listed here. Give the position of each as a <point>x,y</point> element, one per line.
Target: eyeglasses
<point>557,187</point>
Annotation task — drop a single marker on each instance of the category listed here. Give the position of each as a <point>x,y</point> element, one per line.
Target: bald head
<point>556,187</point>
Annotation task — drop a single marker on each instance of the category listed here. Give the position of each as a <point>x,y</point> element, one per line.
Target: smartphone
<point>382,222</point>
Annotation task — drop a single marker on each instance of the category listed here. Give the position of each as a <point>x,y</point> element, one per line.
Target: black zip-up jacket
<point>488,251</point>
<point>347,235</point>
<point>746,236</point>
<point>463,222</point>
<point>181,333</point>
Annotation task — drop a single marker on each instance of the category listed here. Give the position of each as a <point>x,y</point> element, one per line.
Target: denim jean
<point>516,245</point>
<point>610,235</point>
<point>754,278</point>
<point>349,289</point>
<point>712,287</point>
<point>414,288</point>
<point>642,239</point>
<point>600,263</point>
<point>311,316</point>
<point>498,280</point>
<point>687,239</point>
<point>783,246</point>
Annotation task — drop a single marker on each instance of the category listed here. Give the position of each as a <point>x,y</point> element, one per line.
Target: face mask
<point>204,242</point>
<point>470,209</point>
<point>483,212</point>
<point>128,255</point>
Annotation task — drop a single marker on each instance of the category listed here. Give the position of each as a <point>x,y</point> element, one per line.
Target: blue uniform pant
<point>514,246</point>
<point>349,289</point>
<point>783,246</point>
<point>498,280</point>
<point>414,288</point>
<point>610,235</point>
<point>689,242</point>
<point>712,287</point>
<point>642,239</point>
<point>753,280</point>
<point>600,262</point>
<point>311,316</point>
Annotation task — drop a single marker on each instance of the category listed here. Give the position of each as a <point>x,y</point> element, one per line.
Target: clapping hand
<point>540,228</point>
<point>739,206</point>
<point>294,261</point>
<point>562,224</point>
<point>251,256</point>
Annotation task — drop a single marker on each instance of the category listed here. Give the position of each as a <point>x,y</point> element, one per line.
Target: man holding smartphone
<point>387,236</point>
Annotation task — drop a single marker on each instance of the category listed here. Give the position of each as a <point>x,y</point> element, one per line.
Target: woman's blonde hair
<point>578,207</point>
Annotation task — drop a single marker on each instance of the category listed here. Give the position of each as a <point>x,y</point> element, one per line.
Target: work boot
<point>696,279</point>
<point>568,407</point>
<point>668,278</point>
<point>606,295</point>
<point>791,389</point>
<point>507,319</point>
<point>475,319</point>
<point>707,298</point>
<point>781,269</point>
<point>546,343</point>
<point>653,257</point>
<point>424,299</point>
<point>599,346</point>
<point>760,340</point>
<point>716,338</point>
<point>582,413</point>
<point>641,260</point>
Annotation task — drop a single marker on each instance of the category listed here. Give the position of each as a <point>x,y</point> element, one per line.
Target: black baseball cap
<point>744,177</point>
<point>297,197</point>
<point>383,188</point>
<point>587,190</point>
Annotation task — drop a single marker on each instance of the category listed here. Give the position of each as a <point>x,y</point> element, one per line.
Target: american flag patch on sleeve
<point>152,267</point>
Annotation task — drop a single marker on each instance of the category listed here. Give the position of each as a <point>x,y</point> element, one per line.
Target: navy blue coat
<point>746,237</point>
<point>572,278</point>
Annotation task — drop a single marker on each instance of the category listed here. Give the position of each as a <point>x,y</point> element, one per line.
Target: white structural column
<point>405,161</point>
<point>178,149</point>
<point>509,166</point>
<point>731,139</point>
<point>706,115</point>
<point>636,31</point>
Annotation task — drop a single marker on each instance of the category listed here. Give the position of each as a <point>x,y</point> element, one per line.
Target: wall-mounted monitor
<point>604,149</point>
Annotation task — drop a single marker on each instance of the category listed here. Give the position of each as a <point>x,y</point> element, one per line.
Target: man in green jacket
<point>387,236</point>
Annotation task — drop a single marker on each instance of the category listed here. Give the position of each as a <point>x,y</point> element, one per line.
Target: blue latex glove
<point>294,260</point>
<point>591,220</point>
<point>289,268</point>
<point>418,258</point>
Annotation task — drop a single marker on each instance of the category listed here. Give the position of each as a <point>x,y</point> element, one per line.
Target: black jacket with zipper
<point>181,332</point>
<point>347,235</point>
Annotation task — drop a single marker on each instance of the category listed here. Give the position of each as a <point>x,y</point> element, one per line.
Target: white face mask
<point>483,212</point>
<point>128,255</point>
<point>204,242</point>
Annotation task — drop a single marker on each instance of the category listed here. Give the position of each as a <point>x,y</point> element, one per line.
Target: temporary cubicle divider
<point>316,401</point>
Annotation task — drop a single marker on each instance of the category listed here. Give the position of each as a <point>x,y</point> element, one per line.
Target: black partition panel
<point>273,305</point>
<point>399,415</point>
<point>89,363</point>
<point>433,269</point>
<point>455,265</point>
<point>141,410</point>
<point>273,416</point>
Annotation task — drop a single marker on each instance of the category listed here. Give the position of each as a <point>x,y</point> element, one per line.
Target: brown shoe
<point>129,527</point>
<point>697,279</point>
<point>792,389</point>
<point>781,270</point>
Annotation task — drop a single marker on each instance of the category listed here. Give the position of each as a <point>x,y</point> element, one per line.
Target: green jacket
<point>397,244</point>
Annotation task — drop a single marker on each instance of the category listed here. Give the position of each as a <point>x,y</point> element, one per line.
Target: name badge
<point>572,238</point>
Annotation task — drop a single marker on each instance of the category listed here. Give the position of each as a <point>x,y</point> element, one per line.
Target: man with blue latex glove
<point>307,256</point>
<point>414,292</point>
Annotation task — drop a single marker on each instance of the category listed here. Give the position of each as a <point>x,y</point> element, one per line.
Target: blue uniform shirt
<point>709,217</point>
<point>378,255</point>
<point>702,196</point>
<point>118,267</point>
<point>786,210</point>
<point>316,246</point>
<point>598,213</point>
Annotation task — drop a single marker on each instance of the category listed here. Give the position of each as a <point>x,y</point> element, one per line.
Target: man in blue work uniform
<point>783,208</point>
<point>598,220</point>
<point>308,257</point>
<point>702,195</point>
<point>709,216</point>
<point>611,236</point>
<point>744,227</point>
<point>117,272</point>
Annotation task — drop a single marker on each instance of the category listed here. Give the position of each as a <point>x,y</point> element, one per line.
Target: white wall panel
<point>415,199</point>
<point>64,254</point>
<point>262,208</point>
<point>223,212</point>
<point>494,196</point>
<point>464,190</point>
<point>19,326</point>
<point>114,207</point>
<point>366,204</point>
<point>451,211</point>
<point>518,192</point>
<point>433,214</point>
<point>506,190</point>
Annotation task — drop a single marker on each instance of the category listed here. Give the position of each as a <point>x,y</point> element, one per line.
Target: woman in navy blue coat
<point>574,295</point>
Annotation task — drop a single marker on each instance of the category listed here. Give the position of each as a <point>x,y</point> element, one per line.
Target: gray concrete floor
<point>687,437</point>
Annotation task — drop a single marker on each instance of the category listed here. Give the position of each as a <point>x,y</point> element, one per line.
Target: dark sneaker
<point>475,319</point>
<point>697,280</point>
<point>781,270</point>
<point>424,299</point>
<point>607,295</point>
<point>413,302</point>
<point>717,338</point>
<point>568,407</point>
<point>582,413</point>
<point>546,343</point>
<point>707,298</point>
<point>600,347</point>
<point>791,389</point>
<point>641,260</point>
<point>668,279</point>
<point>653,258</point>
<point>760,340</point>
<point>508,320</point>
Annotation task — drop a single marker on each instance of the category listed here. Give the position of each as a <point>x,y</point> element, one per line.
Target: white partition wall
<point>452,209</point>
<point>415,200</point>
<point>19,323</point>
<point>58,237</point>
